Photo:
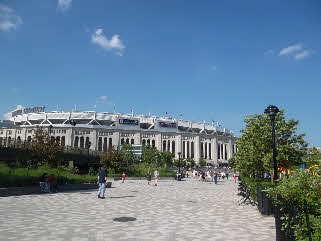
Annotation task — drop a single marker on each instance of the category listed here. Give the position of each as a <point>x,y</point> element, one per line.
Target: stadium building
<point>103,130</point>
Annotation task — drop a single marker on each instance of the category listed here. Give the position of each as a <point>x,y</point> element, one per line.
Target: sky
<point>197,60</point>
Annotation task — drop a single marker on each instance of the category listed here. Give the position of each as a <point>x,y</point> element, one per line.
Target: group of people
<point>48,183</point>
<point>102,179</point>
<point>211,175</point>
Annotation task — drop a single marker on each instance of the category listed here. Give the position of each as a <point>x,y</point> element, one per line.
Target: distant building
<point>103,130</point>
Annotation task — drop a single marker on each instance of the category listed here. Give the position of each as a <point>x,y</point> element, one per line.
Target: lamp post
<point>179,162</point>
<point>271,111</point>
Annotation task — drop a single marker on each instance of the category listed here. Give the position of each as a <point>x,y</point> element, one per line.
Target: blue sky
<point>207,60</point>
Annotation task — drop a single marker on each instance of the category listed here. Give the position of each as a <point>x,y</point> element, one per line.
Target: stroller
<point>43,183</point>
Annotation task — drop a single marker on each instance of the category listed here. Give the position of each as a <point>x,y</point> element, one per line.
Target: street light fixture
<point>271,111</point>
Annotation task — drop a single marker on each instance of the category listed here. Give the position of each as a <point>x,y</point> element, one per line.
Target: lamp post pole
<point>179,162</point>
<point>271,111</point>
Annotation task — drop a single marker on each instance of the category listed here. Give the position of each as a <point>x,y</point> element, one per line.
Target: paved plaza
<point>187,210</point>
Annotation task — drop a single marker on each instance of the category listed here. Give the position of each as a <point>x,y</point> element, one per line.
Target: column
<point>159,142</point>
<point>214,150</point>
<point>178,145</point>
<point>197,149</point>
<point>230,149</point>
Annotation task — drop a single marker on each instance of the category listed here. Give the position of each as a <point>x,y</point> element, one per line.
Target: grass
<point>17,176</point>
<point>12,176</point>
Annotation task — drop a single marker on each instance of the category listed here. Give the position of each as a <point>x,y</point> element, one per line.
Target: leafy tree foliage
<point>127,155</point>
<point>166,159</point>
<point>202,162</point>
<point>254,156</point>
<point>44,150</point>
<point>150,155</point>
<point>111,158</point>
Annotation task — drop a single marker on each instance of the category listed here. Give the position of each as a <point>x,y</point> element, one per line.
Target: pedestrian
<point>53,185</point>
<point>215,178</point>
<point>148,177</point>
<point>234,176</point>
<point>227,175</point>
<point>203,176</point>
<point>156,177</point>
<point>43,181</point>
<point>123,177</point>
<point>102,178</point>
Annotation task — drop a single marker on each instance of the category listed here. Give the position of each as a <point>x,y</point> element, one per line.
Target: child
<point>123,177</point>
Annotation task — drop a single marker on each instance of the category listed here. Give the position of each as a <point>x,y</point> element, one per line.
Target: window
<point>225,152</point>
<point>148,142</point>
<point>63,141</point>
<point>168,145</point>
<point>29,138</point>
<point>105,144</point>
<point>192,149</point>
<point>144,142</point>
<point>110,143</point>
<point>58,140</point>
<point>164,145</point>
<point>100,144</point>
<point>122,141</point>
<point>202,148</point>
<point>183,149</point>
<point>153,143</point>
<point>132,141</point>
<point>127,141</point>
<point>76,141</point>
<point>205,150</point>
<point>187,149</point>
<point>210,151</point>
<point>218,151</point>
<point>29,131</point>
<point>173,147</point>
<point>82,142</point>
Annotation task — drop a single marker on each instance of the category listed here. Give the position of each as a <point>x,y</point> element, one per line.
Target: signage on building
<point>167,124</point>
<point>28,110</point>
<point>128,122</point>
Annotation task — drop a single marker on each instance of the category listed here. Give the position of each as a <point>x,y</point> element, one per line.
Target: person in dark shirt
<point>102,178</point>
<point>148,177</point>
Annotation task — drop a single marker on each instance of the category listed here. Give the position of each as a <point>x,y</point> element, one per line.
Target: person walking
<point>156,177</point>
<point>102,178</point>
<point>123,177</point>
<point>148,177</point>
<point>215,178</point>
<point>227,175</point>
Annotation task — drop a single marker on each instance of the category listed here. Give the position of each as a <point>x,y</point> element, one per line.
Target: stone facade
<point>193,140</point>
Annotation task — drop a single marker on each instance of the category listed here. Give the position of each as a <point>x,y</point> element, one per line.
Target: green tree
<point>254,156</point>
<point>150,155</point>
<point>127,155</point>
<point>166,159</point>
<point>111,158</point>
<point>312,158</point>
<point>43,149</point>
<point>202,162</point>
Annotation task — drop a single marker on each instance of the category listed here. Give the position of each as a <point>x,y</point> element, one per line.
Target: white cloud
<point>8,115</point>
<point>291,49</point>
<point>101,40</point>
<point>64,5</point>
<point>304,54</point>
<point>102,99</point>
<point>8,19</point>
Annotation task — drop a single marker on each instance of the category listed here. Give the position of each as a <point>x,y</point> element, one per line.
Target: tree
<point>150,155</point>
<point>254,156</point>
<point>111,158</point>
<point>44,150</point>
<point>127,154</point>
<point>166,159</point>
<point>202,162</point>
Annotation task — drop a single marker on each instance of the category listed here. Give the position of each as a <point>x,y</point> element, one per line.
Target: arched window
<point>222,151</point>
<point>105,145</point>
<point>144,142</point>
<point>202,149</point>
<point>52,139</point>
<point>205,150</point>
<point>210,151</point>
<point>127,140</point>
<point>76,141</point>
<point>218,151</point>
<point>164,145</point>
<point>187,143</point>
<point>184,149</point>
<point>148,142</point>
<point>168,145</point>
<point>173,147</point>
<point>100,144</point>
<point>63,141</point>
<point>82,142</point>
<point>110,143</point>
<point>192,149</point>
<point>29,138</point>
<point>132,141</point>
<point>153,143</point>
<point>87,142</point>
<point>225,151</point>
<point>18,139</point>
<point>9,141</point>
<point>58,140</point>
<point>0,141</point>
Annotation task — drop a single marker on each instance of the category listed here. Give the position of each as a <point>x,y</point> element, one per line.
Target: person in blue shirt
<point>102,178</point>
